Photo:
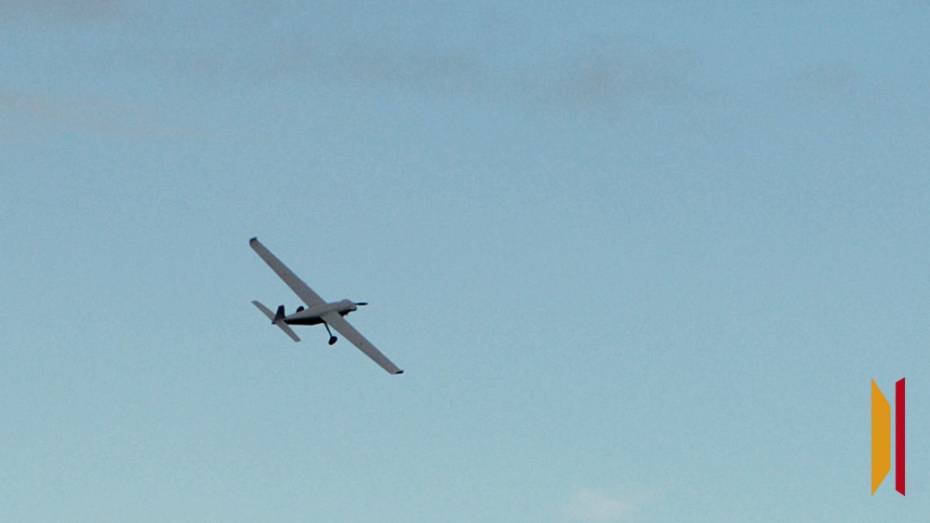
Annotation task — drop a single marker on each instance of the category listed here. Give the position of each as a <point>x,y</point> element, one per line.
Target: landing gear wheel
<point>332,339</point>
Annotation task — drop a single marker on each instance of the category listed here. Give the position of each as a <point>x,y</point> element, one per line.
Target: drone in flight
<point>318,310</point>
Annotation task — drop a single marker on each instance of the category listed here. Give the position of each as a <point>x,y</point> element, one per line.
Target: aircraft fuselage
<point>314,315</point>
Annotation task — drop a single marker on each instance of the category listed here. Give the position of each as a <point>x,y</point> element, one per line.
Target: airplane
<point>330,314</point>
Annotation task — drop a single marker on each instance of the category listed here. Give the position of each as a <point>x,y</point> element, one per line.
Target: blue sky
<point>638,261</point>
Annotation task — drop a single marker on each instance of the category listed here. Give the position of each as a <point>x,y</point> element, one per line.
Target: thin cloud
<point>87,115</point>
<point>606,75</point>
<point>60,10</point>
<point>827,79</point>
<point>611,75</point>
<point>596,506</point>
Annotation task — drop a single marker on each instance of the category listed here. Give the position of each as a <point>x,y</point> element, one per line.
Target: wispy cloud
<point>612,74</point>
<point>597,506</point>
<point>65,10</point>
<point>827,80</point>
<point>86,115</point>
<point>584,73</point>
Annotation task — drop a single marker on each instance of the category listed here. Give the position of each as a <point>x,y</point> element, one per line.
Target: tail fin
<point>277,319</point>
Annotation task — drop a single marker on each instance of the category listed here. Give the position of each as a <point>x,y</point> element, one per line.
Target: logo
<point>881,437</point>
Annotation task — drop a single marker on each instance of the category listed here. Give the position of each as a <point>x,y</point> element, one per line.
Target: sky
<point>639,260</point>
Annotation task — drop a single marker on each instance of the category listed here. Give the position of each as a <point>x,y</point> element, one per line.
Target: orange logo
<point>881,437</point>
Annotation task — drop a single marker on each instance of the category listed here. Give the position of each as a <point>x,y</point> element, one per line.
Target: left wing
<point>297,285</point>
<point>334,320</point>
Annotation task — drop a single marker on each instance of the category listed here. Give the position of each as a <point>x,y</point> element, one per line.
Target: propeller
<point>361,303</point>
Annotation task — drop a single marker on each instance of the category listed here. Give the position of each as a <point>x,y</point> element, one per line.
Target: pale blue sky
<point>639,262</point>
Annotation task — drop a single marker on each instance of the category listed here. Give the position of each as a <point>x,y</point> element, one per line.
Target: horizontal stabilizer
<point>275,320</point>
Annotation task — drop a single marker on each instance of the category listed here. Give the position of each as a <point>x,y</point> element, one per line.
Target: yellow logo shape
<point>881,437</point>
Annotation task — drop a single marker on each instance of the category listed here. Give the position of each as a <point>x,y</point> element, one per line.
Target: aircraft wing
<point>297,285</point>
<point>334,320</point>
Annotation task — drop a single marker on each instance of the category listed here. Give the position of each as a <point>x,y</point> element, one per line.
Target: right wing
<point>297,285</point>
<point>334,320</point>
